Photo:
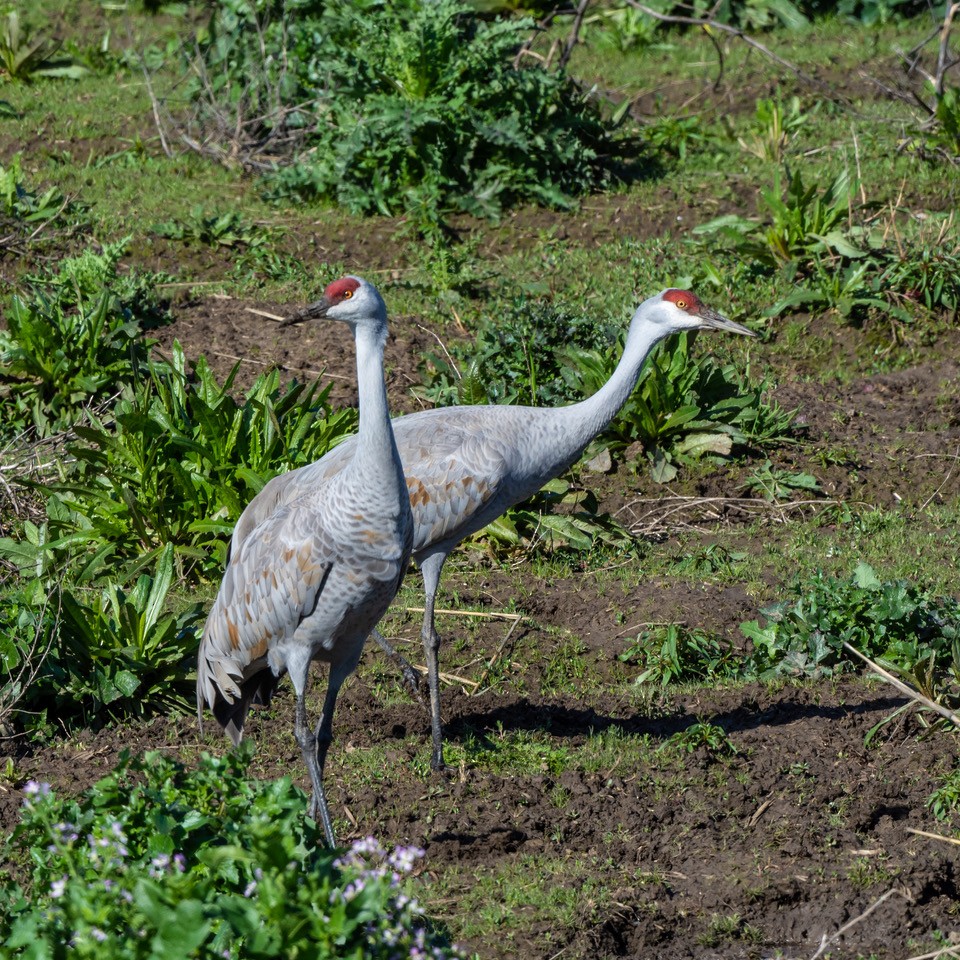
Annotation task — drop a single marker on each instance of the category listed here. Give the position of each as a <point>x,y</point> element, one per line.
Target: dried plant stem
<point>903,687</point>
<point>826,941</point>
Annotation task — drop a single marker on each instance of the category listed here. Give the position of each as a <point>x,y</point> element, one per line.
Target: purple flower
<point>403,858</point>
<point>58,887</point>
<point>33,789</point>
<point>97,934</point>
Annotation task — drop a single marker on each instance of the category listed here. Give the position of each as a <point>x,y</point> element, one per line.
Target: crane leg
<point>310,747</point>
<point>431,648</point>
<point>322,737</point>
<point>430,568</point>
<point>410,675</point>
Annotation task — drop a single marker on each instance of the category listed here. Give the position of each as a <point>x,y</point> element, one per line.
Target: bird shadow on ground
<point>561,721</point>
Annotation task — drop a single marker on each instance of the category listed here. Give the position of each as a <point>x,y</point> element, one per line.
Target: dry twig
<point>826,941</point>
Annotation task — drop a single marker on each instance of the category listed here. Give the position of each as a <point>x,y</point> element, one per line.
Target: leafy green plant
<point>705,736</point>
<point>900,625</point>
<point>684,407</point>
<point>773,127</point>
<point>926,272</point>
<point>795,226</point>
<point>180,458</point>
<point>19,203</point>
<point>852,292</point>
<point>23,58</point>
<point>516,357</point>
<point>86,654</point>
<point>775,484</point>
<point>676,134</point>
<point>871,12</point>
<point>414,108</point>
<point>625,28</point>
<point>674,654</point>
<point>945,800</point>
<point>215,230</point>
<point>558,517</point>
<point>73,341</point>
<point>945,133</point>
<point>158,861</point>
<point>712,559</point>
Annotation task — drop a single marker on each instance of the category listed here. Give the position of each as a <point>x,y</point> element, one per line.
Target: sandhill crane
<point>312,579</point>
<point>465,466</point>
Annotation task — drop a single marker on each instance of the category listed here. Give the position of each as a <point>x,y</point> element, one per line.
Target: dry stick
<point>953,457</point>
<point>905,688</point>
<point>937,954</point>
<point>574,34</point>
<point>733,31</point>
<point>495,657</point>
<point>933,836</point>
<point>263,313</point>
<point>944,47</point>
<point>469,613</point>
<point>825,941</point>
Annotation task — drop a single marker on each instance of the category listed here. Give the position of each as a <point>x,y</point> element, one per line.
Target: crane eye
<point>347,294</point>
<point>682,304</point>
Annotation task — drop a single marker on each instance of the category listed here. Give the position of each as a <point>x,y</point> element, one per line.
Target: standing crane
<point>467,465</point>
<point>311,579</point>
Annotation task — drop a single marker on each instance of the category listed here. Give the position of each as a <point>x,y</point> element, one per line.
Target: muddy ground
<point>788,840</point>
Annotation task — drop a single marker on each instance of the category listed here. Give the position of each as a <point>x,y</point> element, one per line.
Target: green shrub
<point>160,862</point>
<point>674,654</point>
<point>903,626</point>
<point>180,458</point>
<point>796,225</point>
<point>87,654</point>
<point>517,356</point>
<point>411,107</point>
<point>73,340</point>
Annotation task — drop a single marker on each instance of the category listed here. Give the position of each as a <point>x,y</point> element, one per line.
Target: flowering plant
<point>163,862</point>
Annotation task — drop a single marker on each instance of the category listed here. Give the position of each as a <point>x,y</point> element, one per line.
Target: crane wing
<point>456,472</point>
<point>272,583</point>
<point>287,487</point>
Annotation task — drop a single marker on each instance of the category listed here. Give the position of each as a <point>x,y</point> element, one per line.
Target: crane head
<point>350,299</point>
<point>684,310</point>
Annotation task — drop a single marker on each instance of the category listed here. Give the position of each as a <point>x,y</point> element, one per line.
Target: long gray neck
<point>376,454</point>
<point>583,421</point>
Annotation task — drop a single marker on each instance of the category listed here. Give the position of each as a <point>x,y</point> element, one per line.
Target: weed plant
<point>73,340</point>
<point>85,655</point>
<point>407,107</point>
<point>904,627</point>
<point>516,356</point>
<point>157,861</point>
<point>685,407</point>
<point>674,654</point>
<point>179,459</point>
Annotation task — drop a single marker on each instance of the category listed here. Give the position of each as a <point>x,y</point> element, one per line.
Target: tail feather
<point>231,714</point>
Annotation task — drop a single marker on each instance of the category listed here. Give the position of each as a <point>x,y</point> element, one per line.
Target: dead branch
<point>944,63</point>
<point>904,688</point>
<point>708,23</point>
<point>826,941</point>
<point>574,35</point>
<point>657,517</point>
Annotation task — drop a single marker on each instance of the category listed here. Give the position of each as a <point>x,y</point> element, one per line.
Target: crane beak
<point>313,311</point>
<point>711,320</point>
